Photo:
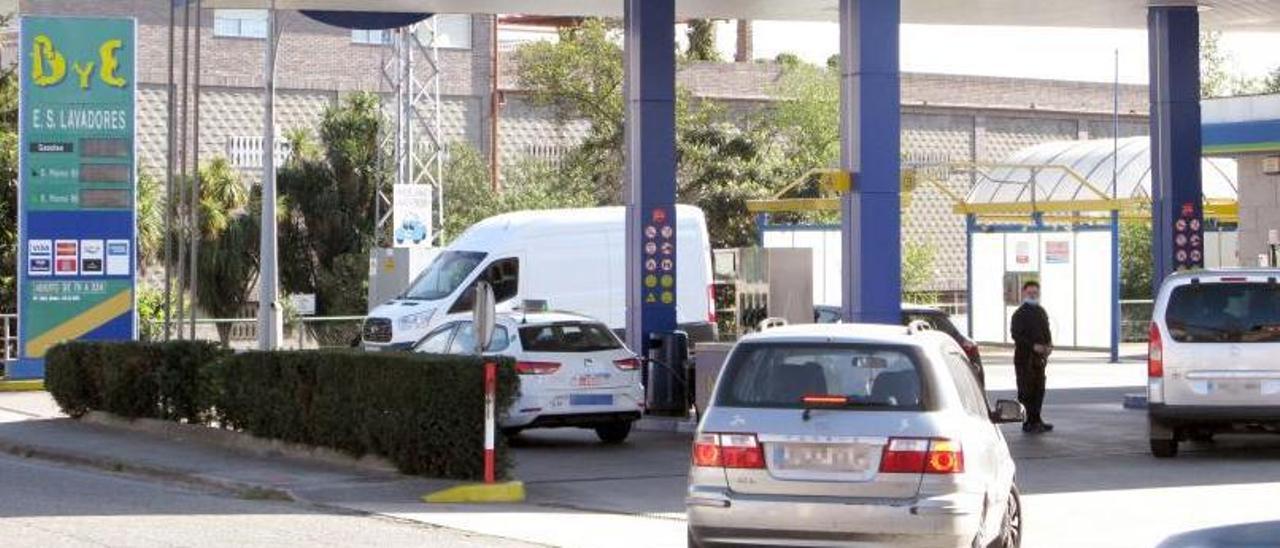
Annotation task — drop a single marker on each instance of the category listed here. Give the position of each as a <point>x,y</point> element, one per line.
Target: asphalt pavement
<point>46,505</point>
<point>1089,483</point>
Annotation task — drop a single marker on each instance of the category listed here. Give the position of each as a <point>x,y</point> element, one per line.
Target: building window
<point>240,23</point>
<point>374,37</point>
<point>453,31</point>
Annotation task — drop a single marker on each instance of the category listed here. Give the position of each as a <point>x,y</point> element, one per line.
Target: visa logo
<point>39,247</point>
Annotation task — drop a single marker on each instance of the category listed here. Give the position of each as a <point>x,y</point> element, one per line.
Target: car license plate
<point>591,399</point>
<point>825,457</point>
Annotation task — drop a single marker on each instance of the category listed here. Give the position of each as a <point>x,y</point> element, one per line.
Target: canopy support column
<point>870,123</point>
<point>650,167</point>
<point>1176,198</point>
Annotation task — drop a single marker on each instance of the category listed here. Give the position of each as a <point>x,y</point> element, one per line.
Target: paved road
<point>1090,483</point>
<point>46,505</point>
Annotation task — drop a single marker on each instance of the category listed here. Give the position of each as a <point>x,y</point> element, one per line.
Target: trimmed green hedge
<point>425,413</point>
<point>167,380</point>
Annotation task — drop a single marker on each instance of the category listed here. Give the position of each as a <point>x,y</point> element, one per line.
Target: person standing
<point>1033,342</point>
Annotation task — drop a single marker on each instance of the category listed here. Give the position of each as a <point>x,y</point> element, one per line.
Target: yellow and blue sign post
<point>77,191</point>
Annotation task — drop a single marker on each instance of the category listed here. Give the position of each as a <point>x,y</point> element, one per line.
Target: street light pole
<point>270,327</point>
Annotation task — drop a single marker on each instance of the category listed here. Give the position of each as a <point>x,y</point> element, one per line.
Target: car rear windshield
<point>1224,313</point>
<point>568,337</point>
<point>779,376</point>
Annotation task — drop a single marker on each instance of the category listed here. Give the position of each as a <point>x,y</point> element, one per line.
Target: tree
<point>531,184</point>
<point>8,186</point>
<point>328,193</point>
<point>1136,263</point>
<point>1271,84</point>
<point>227,266</point>
<point>580,78</point>
<point>917,273</point>
<point>702,41</point>
<point>151,204</point>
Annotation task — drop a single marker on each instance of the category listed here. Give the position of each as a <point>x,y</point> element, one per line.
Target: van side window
<point>503,275</point>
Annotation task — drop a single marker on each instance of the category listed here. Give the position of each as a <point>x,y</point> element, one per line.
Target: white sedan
<point>574,372</point>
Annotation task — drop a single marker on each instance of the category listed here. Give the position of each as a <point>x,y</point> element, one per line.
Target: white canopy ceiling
<point>1258,15</point>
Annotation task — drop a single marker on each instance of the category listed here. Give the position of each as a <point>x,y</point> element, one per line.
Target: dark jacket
<point>1030,326</point>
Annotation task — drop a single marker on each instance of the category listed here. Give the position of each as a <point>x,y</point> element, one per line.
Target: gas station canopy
<point>1253,15</point>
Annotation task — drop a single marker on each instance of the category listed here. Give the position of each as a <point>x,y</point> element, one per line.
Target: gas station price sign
<point>77,174</point>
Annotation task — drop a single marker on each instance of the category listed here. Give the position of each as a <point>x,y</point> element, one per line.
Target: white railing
<point>9,336</point>
<point>245,152</point>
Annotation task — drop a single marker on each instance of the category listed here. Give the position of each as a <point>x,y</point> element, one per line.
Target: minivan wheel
<point>1164,448</point>
<point>1011,525</point>
<point>614,433</point>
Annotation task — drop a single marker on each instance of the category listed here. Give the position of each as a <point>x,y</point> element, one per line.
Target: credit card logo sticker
<point>91,257</point>
<point>118,257</point>
<point>66,260</point>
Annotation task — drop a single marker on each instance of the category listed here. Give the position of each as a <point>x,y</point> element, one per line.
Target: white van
<point>1214,360</point>
<point>574,259</point>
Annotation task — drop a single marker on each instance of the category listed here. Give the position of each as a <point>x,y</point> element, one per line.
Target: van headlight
<point>414,322</point>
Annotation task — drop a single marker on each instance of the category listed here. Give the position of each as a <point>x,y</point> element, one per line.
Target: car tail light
<point>971,350</point>
<point>627,364</point>
<point>818,400</point>
<point>922,456</point>
<point>1155,353</point>
<point>537,368</point>
<point>739,451</point>
<point>711,304</point>
<point>1233,279</point>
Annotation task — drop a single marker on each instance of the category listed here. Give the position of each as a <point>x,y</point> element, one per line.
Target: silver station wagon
<point>852,435</point>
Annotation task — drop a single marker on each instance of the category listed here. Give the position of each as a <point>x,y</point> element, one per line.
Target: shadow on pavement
<point>1245,535</point>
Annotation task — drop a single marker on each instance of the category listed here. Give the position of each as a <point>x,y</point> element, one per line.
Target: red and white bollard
<point>490,403</point>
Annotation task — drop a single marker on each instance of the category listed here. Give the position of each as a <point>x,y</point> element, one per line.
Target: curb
<point>239,489</point>
<point>511,491</point>
<point>239,441</point>
<point>34,385</point>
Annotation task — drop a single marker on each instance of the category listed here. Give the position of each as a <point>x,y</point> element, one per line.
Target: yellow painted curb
<point>34,385</point>
<point>511,491</point>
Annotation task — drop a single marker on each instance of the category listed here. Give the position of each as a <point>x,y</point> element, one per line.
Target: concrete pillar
<point>1177,203</point>
<point>650,164</point>
<point>870,106</point>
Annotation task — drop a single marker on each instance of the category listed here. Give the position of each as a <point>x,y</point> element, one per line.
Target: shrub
<point>130,379</point>
<point>424,413</point>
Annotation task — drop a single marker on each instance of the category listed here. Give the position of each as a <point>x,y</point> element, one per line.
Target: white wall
<point>1074,269</point>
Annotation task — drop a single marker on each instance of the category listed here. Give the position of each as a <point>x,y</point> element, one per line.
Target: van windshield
<point>444,275</point>
<point>780,376</point>
<point>1224,313</point>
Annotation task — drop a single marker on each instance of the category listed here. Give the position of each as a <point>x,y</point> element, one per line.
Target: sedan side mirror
<point>1008,411</point>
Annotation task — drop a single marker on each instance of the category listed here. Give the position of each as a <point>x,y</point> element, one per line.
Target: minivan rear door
<point>823,450</point>
<point>1222,342</point>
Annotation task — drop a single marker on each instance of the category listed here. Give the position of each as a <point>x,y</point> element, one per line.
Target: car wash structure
<point>1051,213</point>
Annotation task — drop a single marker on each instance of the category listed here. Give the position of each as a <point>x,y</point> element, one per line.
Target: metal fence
<point>307,332</point>
<point>1135,320</point>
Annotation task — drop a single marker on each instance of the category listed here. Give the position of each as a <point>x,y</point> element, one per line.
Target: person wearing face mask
<point>1032,345</point>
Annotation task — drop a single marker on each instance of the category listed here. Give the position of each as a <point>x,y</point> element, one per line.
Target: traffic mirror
<point>484,314</point>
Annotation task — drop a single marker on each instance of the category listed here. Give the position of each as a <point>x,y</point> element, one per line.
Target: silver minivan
<point>1214,359</point>
<point>849,434</point>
